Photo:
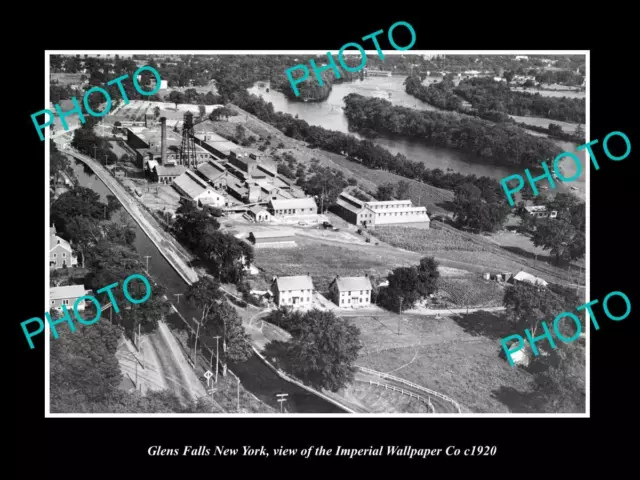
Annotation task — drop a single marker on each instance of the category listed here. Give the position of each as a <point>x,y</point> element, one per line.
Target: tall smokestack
<point>163,140</point>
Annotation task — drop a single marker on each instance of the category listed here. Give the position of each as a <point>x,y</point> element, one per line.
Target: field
<point>544,122</point>
<point>441,355</point>
<point>471,291</point>
<point>479,253</point>
<point>322,262</point>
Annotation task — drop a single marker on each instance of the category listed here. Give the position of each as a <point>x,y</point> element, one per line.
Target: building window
<point>55,255</point>
<point>65,302</point>
<point>360,300</point>
<point>53,302</point>
<point>307,299</point>
<point>64,255</point>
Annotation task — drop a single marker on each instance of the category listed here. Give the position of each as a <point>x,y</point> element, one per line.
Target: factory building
<point>370,214</point>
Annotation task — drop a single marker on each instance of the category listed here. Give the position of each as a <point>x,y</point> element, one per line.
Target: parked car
<point>302,223</point>
<point>335,229</point>
<point>327,225</point>
<point>368,240</point>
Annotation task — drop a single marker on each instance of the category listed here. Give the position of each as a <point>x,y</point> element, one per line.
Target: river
<point>329,114</point>
<point>255,376</point>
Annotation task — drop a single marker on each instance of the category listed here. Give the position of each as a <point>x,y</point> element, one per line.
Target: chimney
<point>163,140</point>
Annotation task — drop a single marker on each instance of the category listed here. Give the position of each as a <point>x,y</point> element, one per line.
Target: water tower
<point>188,148</point>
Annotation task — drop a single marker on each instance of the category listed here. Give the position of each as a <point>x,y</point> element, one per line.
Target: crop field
<point>480,254</point>
<point>439,354</point>
<point>434,239</point>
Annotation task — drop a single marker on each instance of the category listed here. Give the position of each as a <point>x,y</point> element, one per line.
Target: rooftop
<point>273,233</point>
<point>211,169</point>
<point>527,277</point>
<point>190,184</point>
<point>164,170</point>
<point>353,283</point>
<point>307,202</point>
<point>68,291</point>
<point>299,282</point>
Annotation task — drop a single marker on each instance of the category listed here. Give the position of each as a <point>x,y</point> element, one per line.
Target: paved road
<point>443,312</point>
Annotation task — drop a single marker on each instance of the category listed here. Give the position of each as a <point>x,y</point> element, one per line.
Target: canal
<point>329,114</point>
<point>255,376</point>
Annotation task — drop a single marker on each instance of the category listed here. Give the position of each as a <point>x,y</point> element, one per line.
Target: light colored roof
<point>190,184</point>
<point>68,291</point>
<point>307,202</point>
<point>299,282</point>
<point>274,233</point>
<point>257,209</point>
<point>176,170</point>
<point>353,283</point>
<point>403,209</point>
<point>535,208</point>
<point>389,202</point>
<point>527,277</point>
<point>63,242</point>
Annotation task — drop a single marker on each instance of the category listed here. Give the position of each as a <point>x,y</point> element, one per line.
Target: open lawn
<point>442,355</point>
<point>471,291</point>
<point>323,262</point>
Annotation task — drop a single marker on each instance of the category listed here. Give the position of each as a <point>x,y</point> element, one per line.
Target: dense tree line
<point>497,142</point>
<point>106,249</point>
<point>322,350</point>
<point>226,255</point>
<point>484,94</point>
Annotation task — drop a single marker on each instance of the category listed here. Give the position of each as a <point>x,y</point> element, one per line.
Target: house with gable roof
<point>296,291</point>
<point>60,253</point>
<point>351,292</point>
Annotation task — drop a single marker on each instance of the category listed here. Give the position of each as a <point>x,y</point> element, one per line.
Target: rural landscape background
<point>440,131</point>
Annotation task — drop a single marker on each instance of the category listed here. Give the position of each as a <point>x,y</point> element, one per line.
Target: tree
<point>478,206</point>
<point>176,97</point>
<point>402,292</point>
<point>322,351</point>
<point>428,276</point>
<point>203,295</point>
<point>402,189</point>
<point>202,110</point>
<point>508,75</point>
<point>561,389</point>
<point>156,111</point>
<point>84,367</point>
<point>240,132</point>
<point>528,305</point>
<point>385,192</point>
<point>236,344</point>
<point>77,202</point>
<point>560,237</point>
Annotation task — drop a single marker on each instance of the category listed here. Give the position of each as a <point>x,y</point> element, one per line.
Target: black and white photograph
<point>261,234</point>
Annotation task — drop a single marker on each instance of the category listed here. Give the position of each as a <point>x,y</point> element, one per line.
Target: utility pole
<point>178,295</point>
<point>94,152</point>
<point>401,300</point>
<point>238,380</point>
<point>105,212</point>
<point>147,257</point>
<point>217,357</point>
<point>282,397</point>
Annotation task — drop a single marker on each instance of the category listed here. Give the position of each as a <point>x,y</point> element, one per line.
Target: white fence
<point>405,392</point>
<point>412,385</point>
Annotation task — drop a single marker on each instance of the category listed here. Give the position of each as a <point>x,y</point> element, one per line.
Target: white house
<point>67,295</point>
<point>294,291</point>
<point>527,277</point>
<point>353,292</point>
<point>60,252</point>
<point>197,190</point>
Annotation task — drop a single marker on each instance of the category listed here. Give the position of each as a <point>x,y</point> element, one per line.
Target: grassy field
<point>443,355</point>
<point>472,290</point>
<point>480,253</point>
<point>322,262</point>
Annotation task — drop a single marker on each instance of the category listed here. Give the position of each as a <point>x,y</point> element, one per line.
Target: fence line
<point>413,385</point>
<point>300,384</point>
<point>405,392</point>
